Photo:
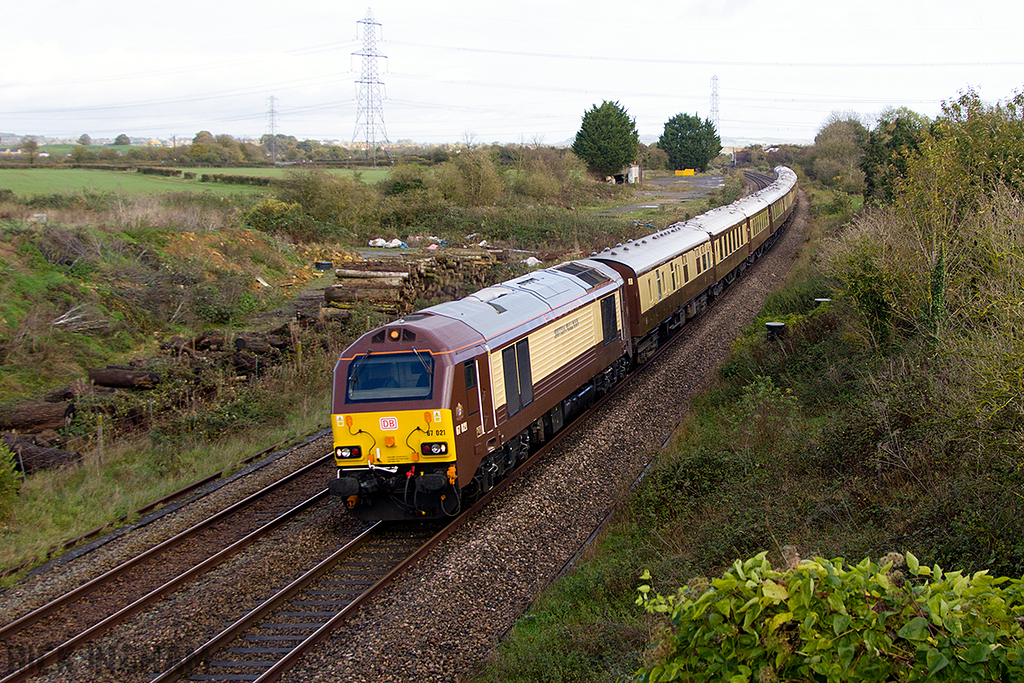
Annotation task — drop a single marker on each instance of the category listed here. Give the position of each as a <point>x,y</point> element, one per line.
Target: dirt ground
<point>670,190</point>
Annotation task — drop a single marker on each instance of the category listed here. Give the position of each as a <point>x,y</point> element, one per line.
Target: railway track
<point>758,180</point>
<point>54,630</point>
<point>266,644</point>
<point>273,637</point>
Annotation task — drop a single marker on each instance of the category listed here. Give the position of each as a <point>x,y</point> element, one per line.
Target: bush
<point>470,179</point>
<point>9,481</point>
<point>822,620</point>
<point>339,205</point>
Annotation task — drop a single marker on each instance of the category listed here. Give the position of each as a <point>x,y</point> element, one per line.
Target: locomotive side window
<point>470,372</point>
<point>515,362</point>
<point>608,322</point>
<point>390,377</point>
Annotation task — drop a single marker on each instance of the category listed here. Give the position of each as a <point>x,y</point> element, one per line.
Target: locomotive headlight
<point>437,448</point>
<point>342,452</point>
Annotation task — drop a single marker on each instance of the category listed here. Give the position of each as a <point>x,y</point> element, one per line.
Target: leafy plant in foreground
<point>822,620</point>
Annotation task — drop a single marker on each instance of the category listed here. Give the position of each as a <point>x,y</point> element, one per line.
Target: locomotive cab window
<point>390,377</point>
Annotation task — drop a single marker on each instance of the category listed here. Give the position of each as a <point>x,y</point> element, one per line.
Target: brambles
<point>828,621</point>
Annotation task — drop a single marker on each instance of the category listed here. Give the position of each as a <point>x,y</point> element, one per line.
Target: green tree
<point>85,140</point>
<point>339,203</point>
<point>122,139</point>
<point>690,142</point>
<point>30,148</point>
<point>895,138</point>
<point>81,155</point>
<point>653,157</point>
<point>607,139</point>
<point>835,160</point>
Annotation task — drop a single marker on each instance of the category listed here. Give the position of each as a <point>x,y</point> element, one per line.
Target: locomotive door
<point>466,406</point>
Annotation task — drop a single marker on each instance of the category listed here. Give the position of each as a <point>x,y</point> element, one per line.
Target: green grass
<point>369,175</point>
<point>57,505</point>
<point>45,181</point>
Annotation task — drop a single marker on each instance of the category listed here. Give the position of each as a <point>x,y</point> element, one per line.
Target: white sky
<point>523,71</point>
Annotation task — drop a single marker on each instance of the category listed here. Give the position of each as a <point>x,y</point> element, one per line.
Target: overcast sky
<point>523,71</point>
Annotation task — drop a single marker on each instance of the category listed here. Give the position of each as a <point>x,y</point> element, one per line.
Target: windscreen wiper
<point>426,367</point>
<point>354,375</point>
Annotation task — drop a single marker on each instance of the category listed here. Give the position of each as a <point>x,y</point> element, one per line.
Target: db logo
<point>388,424</point>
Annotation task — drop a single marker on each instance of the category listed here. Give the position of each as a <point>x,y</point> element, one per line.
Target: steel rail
<point>174,495</point>
<point>91,586</point>
<point>60,652</point>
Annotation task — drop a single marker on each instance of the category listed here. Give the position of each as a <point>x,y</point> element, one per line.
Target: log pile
<point>401,286</point>
<point>394,286</point>
<point>30,456</point>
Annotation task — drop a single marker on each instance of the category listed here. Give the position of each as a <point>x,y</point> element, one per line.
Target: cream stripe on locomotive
<point>550,346</point>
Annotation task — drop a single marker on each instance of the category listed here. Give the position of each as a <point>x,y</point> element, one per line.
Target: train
<point>430,411</point>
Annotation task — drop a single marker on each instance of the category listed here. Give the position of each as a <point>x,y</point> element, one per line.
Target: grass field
<point>45,181</point>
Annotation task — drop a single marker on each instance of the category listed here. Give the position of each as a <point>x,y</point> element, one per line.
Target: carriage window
<point>609,326</point>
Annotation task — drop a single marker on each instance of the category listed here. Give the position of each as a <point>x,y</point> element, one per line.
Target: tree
<point>607,139</point>
<point>838,149</point>
<point>81,155</point>
<point>653,157</point>
<point>892,142</point>
<point>30,148</point>
<point>690,142</point>
<point>85,140</point>
<point>122,139</point>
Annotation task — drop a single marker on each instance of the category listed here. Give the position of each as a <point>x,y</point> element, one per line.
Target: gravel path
<point>450,610</point>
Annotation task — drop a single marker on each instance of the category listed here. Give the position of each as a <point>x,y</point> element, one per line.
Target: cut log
<point>30,458</point>
<point>245,363</point>
<point>361,294</point>
<point>253,343</point>
<point>123,379</point>
<point>179,345</point>
<point>60,395</point>
<point>209,341</point>
<point>35,417</point>
<point>358,274</point>
<point>279,341</point>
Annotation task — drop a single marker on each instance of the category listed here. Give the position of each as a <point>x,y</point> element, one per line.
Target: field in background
<point>45,181</point>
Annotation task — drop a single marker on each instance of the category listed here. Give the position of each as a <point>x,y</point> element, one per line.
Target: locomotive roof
<point>540,295</point>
